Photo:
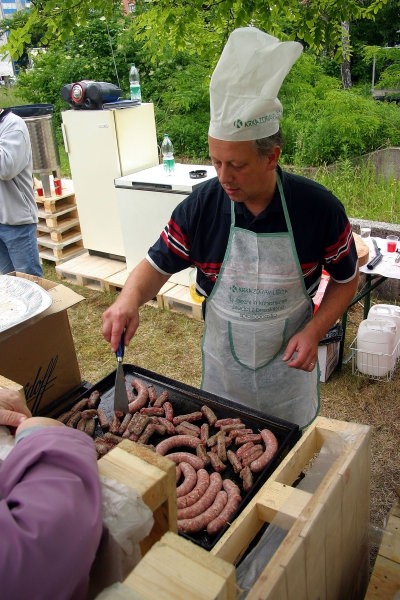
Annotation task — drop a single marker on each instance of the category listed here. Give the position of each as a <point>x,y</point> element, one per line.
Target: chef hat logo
<point>244,86</point>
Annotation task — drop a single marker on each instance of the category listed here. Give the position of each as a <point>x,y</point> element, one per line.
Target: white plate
<point>20,299</point>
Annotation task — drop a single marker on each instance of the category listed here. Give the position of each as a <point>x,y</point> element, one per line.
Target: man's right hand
<point>142,285</point>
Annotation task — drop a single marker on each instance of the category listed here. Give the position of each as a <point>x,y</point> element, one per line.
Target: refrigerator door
<point>102,145</point>
<point>155,178</point>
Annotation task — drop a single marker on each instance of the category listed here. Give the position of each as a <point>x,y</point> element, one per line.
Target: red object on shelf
<point>57,187</point>
<point>325,277</point>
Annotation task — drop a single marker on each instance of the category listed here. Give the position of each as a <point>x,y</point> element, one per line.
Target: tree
<point>201,27</point>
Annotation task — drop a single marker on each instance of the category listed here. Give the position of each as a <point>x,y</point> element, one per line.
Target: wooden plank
<point>384,583</point>
<point>175,569</point>
<point>385,580</point>
<point>116,281</point>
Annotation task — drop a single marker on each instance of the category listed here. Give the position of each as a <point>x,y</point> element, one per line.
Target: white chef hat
<point>245,84</point>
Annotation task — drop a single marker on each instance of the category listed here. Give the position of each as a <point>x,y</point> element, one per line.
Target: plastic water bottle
<point>134,84</point>
<point>167,151</point>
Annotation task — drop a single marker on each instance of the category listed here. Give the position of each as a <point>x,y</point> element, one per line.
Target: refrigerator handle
<point>65,138</point>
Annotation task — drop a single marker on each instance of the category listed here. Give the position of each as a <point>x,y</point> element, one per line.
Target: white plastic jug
<point>376,343</point>
<point>381,312</point>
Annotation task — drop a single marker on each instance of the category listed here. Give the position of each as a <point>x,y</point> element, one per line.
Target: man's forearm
<point>143,284</point>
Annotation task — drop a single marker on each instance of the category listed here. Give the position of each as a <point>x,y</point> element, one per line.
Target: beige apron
<point>258,302</point>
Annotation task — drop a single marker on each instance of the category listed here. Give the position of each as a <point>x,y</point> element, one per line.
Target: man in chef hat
<point>259,237</point>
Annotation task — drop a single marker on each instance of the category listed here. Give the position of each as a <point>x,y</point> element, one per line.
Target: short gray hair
<point>265,145</point>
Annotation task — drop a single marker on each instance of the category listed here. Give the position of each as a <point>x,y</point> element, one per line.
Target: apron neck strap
<point>283,201</point>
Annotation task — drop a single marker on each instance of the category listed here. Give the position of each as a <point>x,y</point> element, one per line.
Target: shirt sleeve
<point>171,253</point>
<point>50,515</point>
<point>14,151</point>
<point>340,253</point>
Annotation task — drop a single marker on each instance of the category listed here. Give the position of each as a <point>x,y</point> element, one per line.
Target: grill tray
<point>186,399</point>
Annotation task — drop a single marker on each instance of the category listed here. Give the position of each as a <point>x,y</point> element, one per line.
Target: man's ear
<point>273,157</point>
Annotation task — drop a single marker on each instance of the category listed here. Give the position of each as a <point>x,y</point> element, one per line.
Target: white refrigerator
<point>146,200</point>
<point>102,145</point>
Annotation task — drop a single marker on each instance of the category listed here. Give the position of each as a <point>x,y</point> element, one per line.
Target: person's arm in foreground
<point>50,512</point>
<point>336,299</point>
<point>143,284</point>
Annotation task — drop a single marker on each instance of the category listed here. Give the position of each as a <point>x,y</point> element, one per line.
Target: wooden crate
<point>150,475</point>
<point>179,300</point>
<point>60,251</point>
<point>324,553</point>
<point>385,579</point>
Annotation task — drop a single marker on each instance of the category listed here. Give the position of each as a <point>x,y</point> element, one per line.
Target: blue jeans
<point>19,249</point>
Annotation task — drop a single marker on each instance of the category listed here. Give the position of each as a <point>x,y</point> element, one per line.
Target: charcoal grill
<point>186,399</point>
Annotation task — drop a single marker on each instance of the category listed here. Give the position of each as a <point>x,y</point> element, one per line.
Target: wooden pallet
<point>62,234</point>
<point>385,579</point>
<point>324,553</point>
<point>59,251</point>
<point>58,219</point>
<point>53,204</point>
<point>178,299</point>
<point>90,271</point>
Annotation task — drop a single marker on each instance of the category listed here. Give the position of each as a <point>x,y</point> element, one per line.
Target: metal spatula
<point>120,395</point>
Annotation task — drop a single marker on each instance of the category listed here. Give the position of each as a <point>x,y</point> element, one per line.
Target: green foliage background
<point>322,122</point>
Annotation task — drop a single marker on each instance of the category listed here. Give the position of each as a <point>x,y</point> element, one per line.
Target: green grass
<point>364,194</point>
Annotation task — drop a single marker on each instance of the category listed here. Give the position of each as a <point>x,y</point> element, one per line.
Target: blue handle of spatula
<point>121,348</point>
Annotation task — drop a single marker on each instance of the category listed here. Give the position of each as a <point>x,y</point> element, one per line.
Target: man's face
<point>244,175</point>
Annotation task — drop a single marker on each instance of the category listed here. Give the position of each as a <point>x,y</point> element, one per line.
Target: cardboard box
<point>328,358</point>
<point>39,353</point>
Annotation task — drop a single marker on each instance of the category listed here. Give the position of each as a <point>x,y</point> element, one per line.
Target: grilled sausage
<point>142,396</point>
<point>249,437</point>
<point>192,459</point>
<point>209,414</point>
<point>177,441</point>
<point>190,479</point>
<point>228,421</point>
<point>200,522</point>
<point>124,423</point>
<point>234,460</point>
<point>169,411</point>
<point>163,397</point>
<point>234,499</point>
<point>204,432</point>
<point>94,399</point>
<point>74,419</point>
<point>247,477</point>
<point>103,419</point>
<point>202,453</point>
<point>200,487</point>
<point>216,462</point>
<point>81,405</point>
<point>156,411</point>
<point>205,501</point>
<point>151,390</point>
<point>190,417</point>
<point>271,447</point>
